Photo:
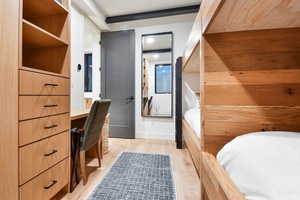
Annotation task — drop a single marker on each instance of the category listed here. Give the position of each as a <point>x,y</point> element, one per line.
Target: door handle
<point>131,98</point>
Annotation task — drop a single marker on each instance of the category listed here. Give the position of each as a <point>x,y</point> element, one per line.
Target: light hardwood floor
<point>186,179</point>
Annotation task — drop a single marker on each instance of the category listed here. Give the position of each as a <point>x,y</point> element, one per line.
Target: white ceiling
<point>123,7</point>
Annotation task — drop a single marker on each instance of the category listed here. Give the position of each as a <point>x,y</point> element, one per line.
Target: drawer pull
<point>49,154</point>
<point>51,84</point>
<point>50,106</point>
<point>51,185</point>
<point>52,126</point>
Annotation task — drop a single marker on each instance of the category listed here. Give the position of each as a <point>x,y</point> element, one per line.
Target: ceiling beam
<point>153,14</point>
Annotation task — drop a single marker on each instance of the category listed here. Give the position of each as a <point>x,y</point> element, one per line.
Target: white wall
<point>92,37</point>
<point>156,128</point>
<point>77,77</point>
<point>85,37</point>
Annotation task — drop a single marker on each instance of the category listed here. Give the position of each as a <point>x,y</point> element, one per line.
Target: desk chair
<point>90,134</point>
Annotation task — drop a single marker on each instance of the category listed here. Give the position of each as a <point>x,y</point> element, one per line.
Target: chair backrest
<point>94,123</point>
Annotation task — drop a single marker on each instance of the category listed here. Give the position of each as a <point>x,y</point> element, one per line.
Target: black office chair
<point>89,136</point>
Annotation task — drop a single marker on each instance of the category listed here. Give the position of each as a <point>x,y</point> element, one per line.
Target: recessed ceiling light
<point>150,40</point>
<point>155,56</point>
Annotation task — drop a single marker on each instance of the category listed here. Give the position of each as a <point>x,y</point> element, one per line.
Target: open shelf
<point>36,37</point>
<point>45,37</point>
<point>43,8</point>
<point>53,60</point>
<point>44,51</point>
<point>48,15</point>
<point>42,72</point>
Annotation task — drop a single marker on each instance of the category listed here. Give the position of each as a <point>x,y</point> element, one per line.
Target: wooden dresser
<point>35,98</point>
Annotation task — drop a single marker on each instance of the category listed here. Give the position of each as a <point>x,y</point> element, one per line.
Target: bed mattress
<point>264,165</point>
<point>192,116</point>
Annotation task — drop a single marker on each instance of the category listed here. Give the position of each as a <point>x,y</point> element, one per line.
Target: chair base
<point>83,161</point>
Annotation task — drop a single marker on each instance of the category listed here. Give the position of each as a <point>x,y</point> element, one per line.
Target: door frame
<point>103,95</point>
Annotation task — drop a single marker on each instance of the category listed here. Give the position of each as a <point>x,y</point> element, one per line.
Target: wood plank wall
<point>252,83</point>
<point>238,15</point>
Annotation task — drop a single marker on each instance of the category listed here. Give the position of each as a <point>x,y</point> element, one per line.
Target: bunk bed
<point>249,68</point>
<point>191,125</point>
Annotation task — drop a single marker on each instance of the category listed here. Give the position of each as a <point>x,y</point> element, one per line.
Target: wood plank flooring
<point>186,179</point>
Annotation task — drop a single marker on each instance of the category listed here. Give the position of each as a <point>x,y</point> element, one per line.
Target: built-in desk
<point>78,118</point>
<point>79,115</point>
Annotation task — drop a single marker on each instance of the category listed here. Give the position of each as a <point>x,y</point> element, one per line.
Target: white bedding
<point>189,98</point>
<point>264,165</point>
<point>192,116</point>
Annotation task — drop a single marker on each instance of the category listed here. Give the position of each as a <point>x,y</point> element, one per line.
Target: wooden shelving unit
<point>42,72</point>
<point>45,36</point>
<point>43,98</point>
<point>36,37</point>
<point>220,16</point>
<point>43,8</point>
<point>49,15</point>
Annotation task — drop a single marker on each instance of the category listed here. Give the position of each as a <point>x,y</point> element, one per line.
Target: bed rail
<point>217,183</point>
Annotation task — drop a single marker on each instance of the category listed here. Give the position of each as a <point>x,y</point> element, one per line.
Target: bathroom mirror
<point>157,75</point>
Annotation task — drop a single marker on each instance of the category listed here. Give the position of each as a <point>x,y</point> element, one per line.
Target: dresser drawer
<point>48,184</point>
<point>39,156</point>
<point>36,129</point>
<point>41,106</point>
<point>32,83</point>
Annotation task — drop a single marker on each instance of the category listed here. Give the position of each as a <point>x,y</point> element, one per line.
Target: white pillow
<point>264,165</point>
<point>189,98</point>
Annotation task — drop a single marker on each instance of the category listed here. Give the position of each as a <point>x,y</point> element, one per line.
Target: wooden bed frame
<point>249,68</point>
<point>191,64</point>
<point>192,143</point>
<point>216,181</point>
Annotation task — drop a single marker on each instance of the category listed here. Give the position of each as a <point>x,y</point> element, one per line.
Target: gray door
<point>118,79</point>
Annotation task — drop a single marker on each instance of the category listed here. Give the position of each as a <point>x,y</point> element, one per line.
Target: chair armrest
<point>216,181</point>
<point>79,131</point>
